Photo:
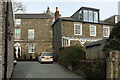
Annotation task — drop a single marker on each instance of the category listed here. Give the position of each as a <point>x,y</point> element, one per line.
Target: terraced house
<point>82,27</point>
<point>33,34</point>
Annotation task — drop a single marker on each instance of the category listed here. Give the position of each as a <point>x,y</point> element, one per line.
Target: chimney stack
<point>48,11</point>
<point>56,14</point>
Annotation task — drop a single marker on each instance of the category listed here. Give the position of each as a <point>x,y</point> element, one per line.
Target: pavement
<point>35,70</point>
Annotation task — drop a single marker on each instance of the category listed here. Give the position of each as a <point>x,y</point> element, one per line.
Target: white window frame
<point>29,36</point>
<point>16,34</point>
<point>17,22</point>
<point>94,31</point>
<point>108,33</point>
<point>31,48</point>
<point>75,29</point>
<point>67,42</point>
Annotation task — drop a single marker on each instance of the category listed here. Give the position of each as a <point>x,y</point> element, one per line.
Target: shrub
<point>75,54</point>
<point>25,56</point>
<point>71,55</point>
<point>36,54</point>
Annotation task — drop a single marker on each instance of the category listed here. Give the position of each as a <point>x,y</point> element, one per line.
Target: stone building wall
<point>68,29</point>
<point>10,54</point>
<point>2,9</point>
<point>10,41</point>
<point>42,35</point>
<point>40,46</point>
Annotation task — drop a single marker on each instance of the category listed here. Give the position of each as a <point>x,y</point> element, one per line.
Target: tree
<point>19,7</point>
<point>113,43</point>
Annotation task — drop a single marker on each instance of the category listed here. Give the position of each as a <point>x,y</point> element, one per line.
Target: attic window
<point>90,16</point>
<point>85,15</point>
<point>95,16</point>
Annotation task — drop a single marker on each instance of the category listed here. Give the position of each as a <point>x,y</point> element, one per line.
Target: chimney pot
<point>56,8</point>
<point>56,14</point>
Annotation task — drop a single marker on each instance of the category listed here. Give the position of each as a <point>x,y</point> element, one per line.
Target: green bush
<point>113,43</point>
<point>71,55</point>
<point>36,54</point>
<point>25,56</point>
<point>75,54</point>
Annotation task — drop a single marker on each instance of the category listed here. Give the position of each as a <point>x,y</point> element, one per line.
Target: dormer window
<point>90,16</point>
<point>96,17</point>
<point>87,14</point>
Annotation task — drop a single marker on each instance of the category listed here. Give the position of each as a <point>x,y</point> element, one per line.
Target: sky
<point>69,7</point>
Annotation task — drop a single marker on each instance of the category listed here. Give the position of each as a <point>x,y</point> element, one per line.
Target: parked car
<point>45,57</point>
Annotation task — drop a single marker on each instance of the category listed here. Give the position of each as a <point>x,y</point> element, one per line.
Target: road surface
<point>34,69</point>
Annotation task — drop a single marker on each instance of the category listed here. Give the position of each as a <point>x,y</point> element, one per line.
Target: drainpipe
<point>6,40</point>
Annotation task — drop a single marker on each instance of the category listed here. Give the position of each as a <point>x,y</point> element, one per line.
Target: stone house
<point>33,34</point>
<point>6,39</point>
<point>112,19</point>
<point>82,27</point>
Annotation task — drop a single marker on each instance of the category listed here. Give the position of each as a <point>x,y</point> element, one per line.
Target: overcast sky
<point>68,7</point>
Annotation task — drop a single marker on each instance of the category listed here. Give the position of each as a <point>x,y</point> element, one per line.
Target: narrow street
<point>36,70</point>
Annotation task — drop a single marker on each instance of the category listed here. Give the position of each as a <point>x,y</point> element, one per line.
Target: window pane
<point>80,15</point>
<point>17,33</point>
<point>31,48</point>
<point>90,16</point>
<point>85,15</point>
<point>92,30</point>
<point>78,29</point>
<point>106,31</point>
<point>95,16</point>
<point>30,33</point>
<point>17,22</point>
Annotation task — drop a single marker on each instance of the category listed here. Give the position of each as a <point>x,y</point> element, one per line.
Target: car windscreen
<point>47,54</point>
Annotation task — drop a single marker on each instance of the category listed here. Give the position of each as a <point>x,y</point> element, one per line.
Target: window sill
<point>78,34</point>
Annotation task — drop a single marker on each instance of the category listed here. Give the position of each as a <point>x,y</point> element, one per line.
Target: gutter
<point>6,40</point>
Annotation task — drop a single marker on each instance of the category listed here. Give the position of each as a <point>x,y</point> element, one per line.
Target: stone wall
<point>68,29</point>
<point>57,38</point>
<point>42,29</point>
<point>40,46</point>
<point>2,6</point>
<point>10,54</point>
<point>42,35</point>
<point>10,42</point>
<point>113,66</point>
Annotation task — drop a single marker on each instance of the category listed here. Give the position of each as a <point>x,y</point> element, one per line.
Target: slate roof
<point>77,20</point>
<point>95,43</point>
<point>28,16</point>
